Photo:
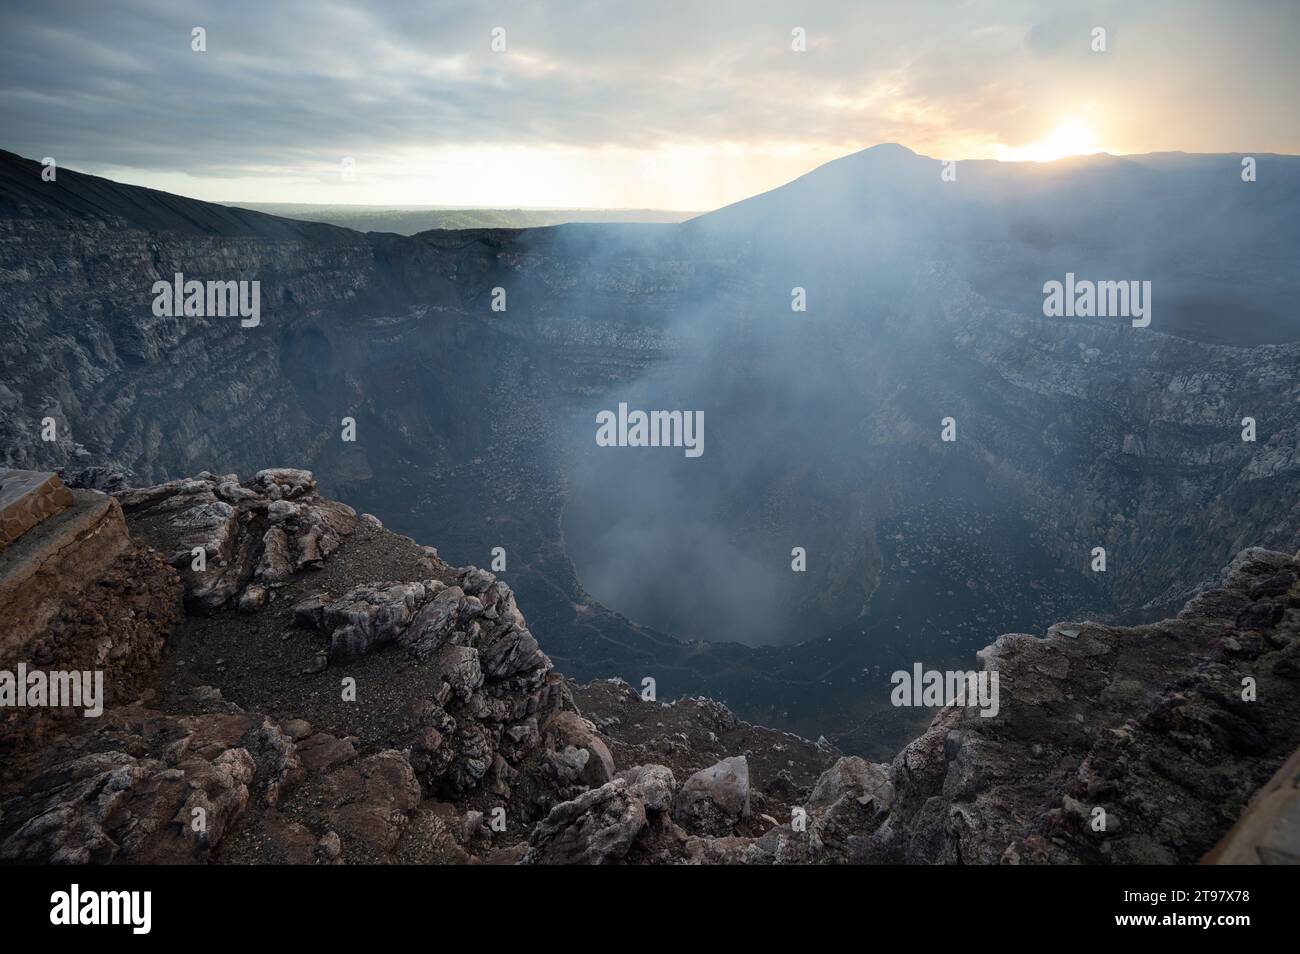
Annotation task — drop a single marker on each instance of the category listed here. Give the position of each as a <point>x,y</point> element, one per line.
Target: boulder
<point>653,784</point>
<point>575,753</point>
<point>715,799</point>
<point>597,828</point>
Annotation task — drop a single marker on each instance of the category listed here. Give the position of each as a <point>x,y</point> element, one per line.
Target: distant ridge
<point>25,195</point>
<point>413,220</point>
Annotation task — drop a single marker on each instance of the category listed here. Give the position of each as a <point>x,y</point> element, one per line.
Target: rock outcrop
<point>716,798</point>
<point>1266,833</point>
<point>1131,745</point>
<point>259,562</point>
<point>52,561</point>
<point>1113,744</point>
<point>237,543</point>
<point>334,692</point>
<point>26,499</point>
<point>77,595</point>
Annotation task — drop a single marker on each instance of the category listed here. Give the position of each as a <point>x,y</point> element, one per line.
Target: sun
<point>1071,137</point>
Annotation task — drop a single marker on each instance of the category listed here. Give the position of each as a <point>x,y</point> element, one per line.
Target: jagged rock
<point>366,616</point>
<point>330,848</point>
<point>322,751</point>
<point>853,797</point>
<point>481,714</point>
<point>423,616</point>
<point>107,479</point>
<point>715,799</point>
<point>596,828</point>
<point>460,671</point>
<point>425,726</point>
<point>103,807</point>
<point>472,751</point>
<point>1094,718</point>
<point>653,784</point>
<point>278,511</point>
<point>510,651</point>
<point>1089,717</point>
<point>856,779</point>
<point>1269,831</point>
<point>285,482</point>
<point>576,755</point>
<point>275,565</point>
<point>285,768</point>
<point>441,617</point>
<point>174,805</point>
<point>297,729</point>
<point>265,530</point>
<point>253,598</point>
<point>371,801</point>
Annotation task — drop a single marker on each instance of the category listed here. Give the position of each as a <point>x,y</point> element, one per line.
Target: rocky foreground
<point>289,682</point>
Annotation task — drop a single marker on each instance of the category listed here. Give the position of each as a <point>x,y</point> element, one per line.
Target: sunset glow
<point>1072,137</point>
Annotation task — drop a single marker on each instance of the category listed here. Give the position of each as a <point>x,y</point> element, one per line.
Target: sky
<point>664,104</point>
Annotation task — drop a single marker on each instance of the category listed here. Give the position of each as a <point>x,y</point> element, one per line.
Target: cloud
<point>287,89</point>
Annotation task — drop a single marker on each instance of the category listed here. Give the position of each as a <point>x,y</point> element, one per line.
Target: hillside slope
<point>337,693</point>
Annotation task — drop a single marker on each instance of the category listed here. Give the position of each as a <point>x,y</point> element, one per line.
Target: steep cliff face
<point>1128,441</point>
<point>1117,744</point>
<point>474,427</point>
<point>335,692</point>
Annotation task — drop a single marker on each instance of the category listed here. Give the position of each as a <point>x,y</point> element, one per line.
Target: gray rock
<point>867,783</point>
<point>253,598</point>
<point>297,729</point>
<point>576,752</point>
<point>599,827</point>
<point>653,784</point>
<point>715,799</point>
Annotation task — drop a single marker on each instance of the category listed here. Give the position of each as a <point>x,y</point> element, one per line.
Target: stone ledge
<point>28,498</point>
<point>52,563</point>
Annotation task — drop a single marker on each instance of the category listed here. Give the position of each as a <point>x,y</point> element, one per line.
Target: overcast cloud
<point>616,102</point>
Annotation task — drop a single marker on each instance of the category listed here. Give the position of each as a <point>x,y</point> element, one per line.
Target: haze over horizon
<point>618,108</point>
